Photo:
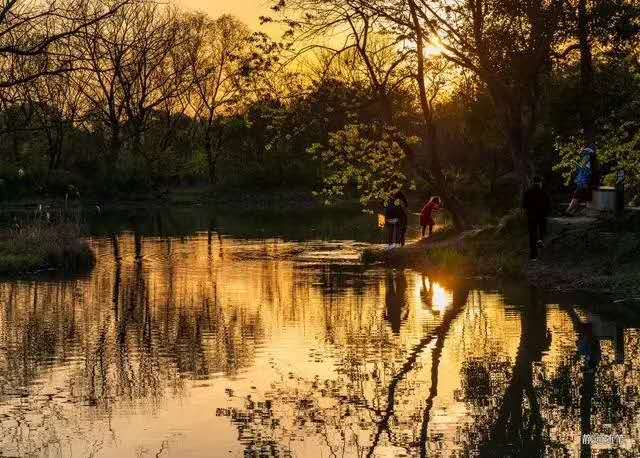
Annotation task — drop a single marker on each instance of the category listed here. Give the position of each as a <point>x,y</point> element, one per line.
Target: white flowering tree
<point>364,157</point>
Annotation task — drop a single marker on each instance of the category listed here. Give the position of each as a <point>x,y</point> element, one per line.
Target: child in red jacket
<point>426,215</point>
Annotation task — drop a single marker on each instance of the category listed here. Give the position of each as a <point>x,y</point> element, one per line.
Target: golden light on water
<point>431,296</point>
<point>441,298</point>
<point>194,334</point>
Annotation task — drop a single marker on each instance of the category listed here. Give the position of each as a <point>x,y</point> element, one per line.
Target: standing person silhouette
<point>392,214</point>
<point>396,219</point>
<point>426,215</point>
<point>402,202</point>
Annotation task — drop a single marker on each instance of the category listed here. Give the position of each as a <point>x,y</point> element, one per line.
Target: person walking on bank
<point>536,203</point>
<point>426,215</point>
<point>587,179</point>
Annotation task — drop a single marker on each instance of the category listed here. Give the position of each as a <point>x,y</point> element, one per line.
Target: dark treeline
<point>460,98</point>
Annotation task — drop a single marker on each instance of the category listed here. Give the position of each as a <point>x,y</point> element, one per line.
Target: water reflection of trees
<point>408,365</point>
<point>523,393</point>
<point>111,338</point>
<point>552,397</point>
<point>376,402</point>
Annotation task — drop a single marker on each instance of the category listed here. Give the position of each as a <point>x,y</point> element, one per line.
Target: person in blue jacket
<point>586,179</point>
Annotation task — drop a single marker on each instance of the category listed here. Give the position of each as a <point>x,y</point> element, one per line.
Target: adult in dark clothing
<point>402,198</point>
<point>537,205</point>
<point>404,222</point>
<point>392,217</point>
<point>401,201</point>
<point>395,215</point>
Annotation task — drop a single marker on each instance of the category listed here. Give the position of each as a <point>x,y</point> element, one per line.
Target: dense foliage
<point>128,97</point>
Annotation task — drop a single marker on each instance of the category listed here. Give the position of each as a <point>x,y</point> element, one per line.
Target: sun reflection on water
<point>189,345</point>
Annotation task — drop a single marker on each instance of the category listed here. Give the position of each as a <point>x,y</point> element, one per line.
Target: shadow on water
<point>396,309</point>
<point>515,407</point>
<point>325,224</point>
<point>265,354</point>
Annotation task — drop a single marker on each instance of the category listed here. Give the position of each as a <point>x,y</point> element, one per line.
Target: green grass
<point>603,257</point>
<point>37,246</point>
<point>449,258</point>
<point>498,250</point>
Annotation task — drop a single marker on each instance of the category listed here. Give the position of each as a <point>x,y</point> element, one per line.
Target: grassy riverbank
<point>599,255</point>
<point>498,250</point>
<point>35,247</point>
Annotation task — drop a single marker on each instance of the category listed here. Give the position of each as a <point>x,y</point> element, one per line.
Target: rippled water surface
<point>207,344</point>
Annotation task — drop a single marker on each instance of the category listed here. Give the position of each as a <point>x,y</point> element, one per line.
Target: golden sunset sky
<point>247,10</point>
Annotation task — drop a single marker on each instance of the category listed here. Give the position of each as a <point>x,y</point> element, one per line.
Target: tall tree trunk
<point>517,128</point>
<point>587,116</point>
<point>430,132</point>
<point>54,149</point>
<point>387,108</point>
<point>211,158</point>
<point>516,112</point>
<point>15,149</point>
<point>52,159</point>
<point>451,202</point>
<point>519,149</point>
<point>115,146</point>
<point>56,153</point>
<point>59,146</point>
<point>136,142</point>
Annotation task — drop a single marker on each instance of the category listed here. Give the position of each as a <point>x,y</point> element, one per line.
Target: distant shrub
<point>61,183</point>
<point>40,246</point>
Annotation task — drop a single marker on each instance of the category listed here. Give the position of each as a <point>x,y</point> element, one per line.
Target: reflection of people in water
<point>589,347</point>
<point>542,343</point>
<point>396,310</point>
<point>426,294</point>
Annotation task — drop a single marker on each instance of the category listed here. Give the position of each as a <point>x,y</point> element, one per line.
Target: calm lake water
<point>198,335</point>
